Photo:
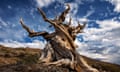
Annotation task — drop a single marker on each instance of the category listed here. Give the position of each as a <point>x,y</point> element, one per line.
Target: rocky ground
<point>25,60</point>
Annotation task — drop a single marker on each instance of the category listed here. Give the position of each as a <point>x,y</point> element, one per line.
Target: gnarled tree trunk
<point>60,48</point>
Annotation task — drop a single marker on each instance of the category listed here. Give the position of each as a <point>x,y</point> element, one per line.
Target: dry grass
<point>30,56</point>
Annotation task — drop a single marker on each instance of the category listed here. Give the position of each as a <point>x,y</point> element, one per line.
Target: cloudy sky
<point>101,37</point>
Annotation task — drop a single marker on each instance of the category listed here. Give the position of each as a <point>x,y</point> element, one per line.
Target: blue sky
<point>101,36</point>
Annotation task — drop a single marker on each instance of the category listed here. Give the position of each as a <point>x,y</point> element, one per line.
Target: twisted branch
<point>31,32</point>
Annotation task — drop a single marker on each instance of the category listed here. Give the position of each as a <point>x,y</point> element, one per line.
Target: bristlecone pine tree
<point>60,48</point>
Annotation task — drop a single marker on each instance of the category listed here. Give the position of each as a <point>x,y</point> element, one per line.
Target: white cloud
<point>90,12</point>
<point>42,3</point>
<point>15,44</point>
<point>102,43</point>
<point>9,7</point>
<point>116,3</point>
<point>2,23</point>
<point>12,34</point>
<point>108,24</point>
<point>83,20</point>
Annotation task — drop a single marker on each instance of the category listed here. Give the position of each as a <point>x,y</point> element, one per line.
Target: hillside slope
<point>25,60</point>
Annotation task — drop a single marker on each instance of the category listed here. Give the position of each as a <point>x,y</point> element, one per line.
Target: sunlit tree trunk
<point>60,48</point>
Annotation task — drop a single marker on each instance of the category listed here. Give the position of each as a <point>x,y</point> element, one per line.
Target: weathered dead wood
<point>59,27</point>
<point>60,49</point>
